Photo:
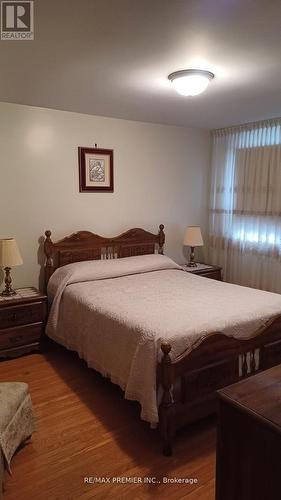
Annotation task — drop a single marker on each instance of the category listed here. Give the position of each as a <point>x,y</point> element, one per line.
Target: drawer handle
<point>26,316</point>
<point>12,317</point>
<point>16,339</point>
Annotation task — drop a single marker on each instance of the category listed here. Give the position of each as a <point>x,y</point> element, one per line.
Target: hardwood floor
<point>86,429</point>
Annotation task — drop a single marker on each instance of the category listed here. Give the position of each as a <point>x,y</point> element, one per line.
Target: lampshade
<point>193,237</point>
<point>9,253</point>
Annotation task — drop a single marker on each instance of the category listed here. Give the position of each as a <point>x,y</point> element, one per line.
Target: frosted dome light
<point>190,82</point>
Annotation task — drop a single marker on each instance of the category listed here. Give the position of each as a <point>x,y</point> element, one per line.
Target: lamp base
<point>191,262</point>
<point>8,291</point>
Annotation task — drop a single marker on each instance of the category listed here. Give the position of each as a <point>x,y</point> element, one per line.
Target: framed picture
<point>95,169</point>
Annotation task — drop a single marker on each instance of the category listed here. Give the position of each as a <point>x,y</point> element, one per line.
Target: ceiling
<point>112,58</point>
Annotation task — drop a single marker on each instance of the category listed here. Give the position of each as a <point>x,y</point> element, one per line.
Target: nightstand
<point>205,270</point>
<point>22,321</point>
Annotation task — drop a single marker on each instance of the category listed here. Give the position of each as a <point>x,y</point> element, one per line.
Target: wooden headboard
<point>85,245</point>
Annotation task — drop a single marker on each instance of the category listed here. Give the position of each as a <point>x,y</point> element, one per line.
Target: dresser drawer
<point>13,337</point>
<point>22,314</point>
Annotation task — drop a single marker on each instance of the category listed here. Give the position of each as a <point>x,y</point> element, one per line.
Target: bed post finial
<point>161,236</point>
<point>166,407</point>
<point>48,250</point>
<point>166,349</point>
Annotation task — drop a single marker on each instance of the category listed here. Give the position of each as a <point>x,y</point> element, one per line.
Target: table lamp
<point>193,238</point>
<point>9,257</point>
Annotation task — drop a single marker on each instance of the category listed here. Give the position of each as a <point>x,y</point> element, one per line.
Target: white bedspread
<point>116,313</point>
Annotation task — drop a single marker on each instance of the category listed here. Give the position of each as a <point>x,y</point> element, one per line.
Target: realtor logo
<point>17,20</point>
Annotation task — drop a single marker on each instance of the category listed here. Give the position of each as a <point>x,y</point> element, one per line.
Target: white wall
<point>160,175</point>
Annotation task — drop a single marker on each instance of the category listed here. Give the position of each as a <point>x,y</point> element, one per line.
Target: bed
<point>123,305</point>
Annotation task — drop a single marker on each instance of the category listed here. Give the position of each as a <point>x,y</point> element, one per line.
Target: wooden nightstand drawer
<point>21,314</point>
<point>214,275</point>
<point>22,335</point>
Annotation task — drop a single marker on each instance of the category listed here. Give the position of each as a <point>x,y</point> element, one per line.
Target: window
<point>245,204</point>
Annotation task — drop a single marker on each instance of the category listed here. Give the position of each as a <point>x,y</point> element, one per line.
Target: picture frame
<point>95,170</point>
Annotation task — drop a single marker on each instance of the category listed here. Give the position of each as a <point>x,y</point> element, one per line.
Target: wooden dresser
<point>249,439</point>
<point>22,320</point>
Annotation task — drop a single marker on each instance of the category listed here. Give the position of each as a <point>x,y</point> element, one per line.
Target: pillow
<point>93,270</point>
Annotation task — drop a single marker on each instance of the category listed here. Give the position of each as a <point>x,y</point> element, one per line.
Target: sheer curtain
<point>245,205</point>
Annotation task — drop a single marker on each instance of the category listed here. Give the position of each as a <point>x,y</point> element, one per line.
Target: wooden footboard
<point>191,380</point>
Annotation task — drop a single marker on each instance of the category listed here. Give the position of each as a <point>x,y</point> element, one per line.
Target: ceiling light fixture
<point>190,82</point>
